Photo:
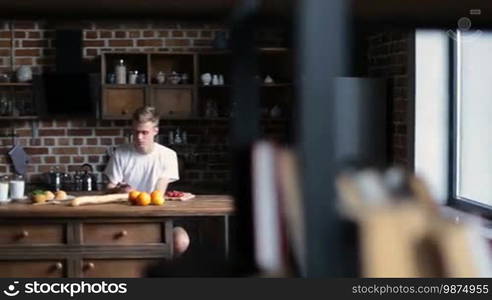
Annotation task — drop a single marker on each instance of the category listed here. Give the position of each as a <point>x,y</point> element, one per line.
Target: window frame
<point>454,199</point>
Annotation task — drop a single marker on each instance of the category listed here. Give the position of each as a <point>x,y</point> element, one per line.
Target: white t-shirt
<point>141,171</point>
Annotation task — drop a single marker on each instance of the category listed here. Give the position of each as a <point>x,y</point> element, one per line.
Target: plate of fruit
<point>178,195</point>
<point>48,197</point>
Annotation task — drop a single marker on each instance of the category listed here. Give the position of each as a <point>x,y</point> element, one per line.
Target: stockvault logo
<point>11,291</point>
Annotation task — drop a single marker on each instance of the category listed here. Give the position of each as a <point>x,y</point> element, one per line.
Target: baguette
<point>100,199</point>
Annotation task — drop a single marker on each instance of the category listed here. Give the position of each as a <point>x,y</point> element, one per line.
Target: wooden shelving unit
<point>192,100</point>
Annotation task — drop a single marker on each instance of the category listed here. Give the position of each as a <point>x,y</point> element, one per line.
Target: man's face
<point>143,135</point>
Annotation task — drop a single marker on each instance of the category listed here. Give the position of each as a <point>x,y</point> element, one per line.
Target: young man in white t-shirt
<point>145,165</point>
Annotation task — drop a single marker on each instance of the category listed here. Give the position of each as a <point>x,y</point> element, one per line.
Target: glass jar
<point>120,71</point>
<point>4,189</point>
<point>16,187</point>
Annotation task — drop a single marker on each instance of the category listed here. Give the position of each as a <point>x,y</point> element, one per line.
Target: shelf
<point>19,118</point>
<point>124,86</point>
<point>15,84</point>
<point>172,86</point>
<point>215,86</point>
<point>272,85</point>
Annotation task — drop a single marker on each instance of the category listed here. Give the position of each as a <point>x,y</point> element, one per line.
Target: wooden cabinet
<point>94,268</point>
<point>17,101</point>
<point>107,247</point>
<point>173,83</point>
<point>33,268</point>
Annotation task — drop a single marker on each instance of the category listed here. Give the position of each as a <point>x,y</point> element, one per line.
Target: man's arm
<point>112,188</point>
<point>162,184</point>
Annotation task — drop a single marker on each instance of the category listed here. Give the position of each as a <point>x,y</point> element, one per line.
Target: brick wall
<point>388,57</point>
<point>69,143</point>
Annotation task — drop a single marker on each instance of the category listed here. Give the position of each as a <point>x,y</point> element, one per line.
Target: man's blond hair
<point>146,114</point>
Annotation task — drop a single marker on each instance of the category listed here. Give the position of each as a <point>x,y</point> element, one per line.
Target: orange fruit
<point>133,195</point>
<point>143,199</point>
<point>157,197</point>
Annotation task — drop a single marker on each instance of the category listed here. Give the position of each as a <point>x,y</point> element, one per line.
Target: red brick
<point>78,159</point>
<point>94,159</point>
<point>64,159</point>
<point>177,33</point>
<point>119,141</point>
<point>35,142</point>
<point>5,43</point>
<point>120,43</point>
<point>151,43</point>
<point>5,34</point>
<point>27,52</point>
<point>49,142</point>
<point>37,150</point>
<point>92,43</point>
<point>93,150</point>
<point>91,141</point>
<point>134,34</point>
<point>34,34</point>
<point>23,61</point>
<point>91,34</point>
<point>120,34</point>
<point>108,132</point>
<point>46,123</point>
<point>61,123</point>
<point>79,132</point>
<point>23,132</point>
<point>105,34</point>
<point>105,141</point>
<point>63,142</point>
<point>163,33</point>
<point>91,52</point>
<point>19,34</point>
<point>34,43</point>
<point>4,52</point>
<point>35,159</point>
<point>149,33</point>
<point>65,150</point>
<point>201,42</point>
<point>77,141</point>
<point>49,159</point>
<point>191,33</point>
<point>52,132</point>
<point>177,42</point>
<point>45,168</point>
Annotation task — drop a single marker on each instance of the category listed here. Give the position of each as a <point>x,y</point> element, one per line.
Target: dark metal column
<point>321,30</point>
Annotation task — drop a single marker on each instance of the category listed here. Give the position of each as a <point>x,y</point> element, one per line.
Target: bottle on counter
<point>171,137</point>
<point>4,189</point>
<point>177,138</point>
<point>16,187</point>
<point>120,71</point>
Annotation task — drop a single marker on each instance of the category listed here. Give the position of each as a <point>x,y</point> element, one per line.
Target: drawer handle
<point>23,234</point>
<point>58,266</point>
<point>124,112</point>
<point>89,266</point>
<point>121,234</point>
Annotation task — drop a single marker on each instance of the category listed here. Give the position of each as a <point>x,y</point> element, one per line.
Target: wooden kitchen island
<point>108,240</point>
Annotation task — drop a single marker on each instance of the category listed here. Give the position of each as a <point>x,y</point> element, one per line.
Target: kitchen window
<point>471,143</point>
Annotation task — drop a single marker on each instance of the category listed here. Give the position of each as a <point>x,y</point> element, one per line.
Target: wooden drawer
<point>116,267</point>
<point>36,268</point>
<point>29,234</point>
<point>122,233</point>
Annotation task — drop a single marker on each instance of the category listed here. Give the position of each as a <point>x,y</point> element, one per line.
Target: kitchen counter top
<point>201,205</point>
